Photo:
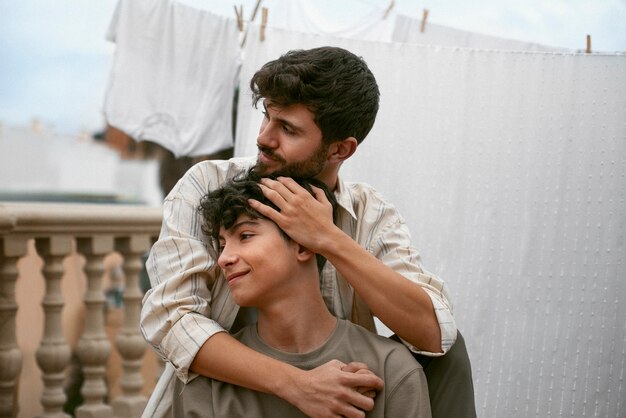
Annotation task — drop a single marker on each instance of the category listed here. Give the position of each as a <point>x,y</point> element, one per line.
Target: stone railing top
<point>77,218</point>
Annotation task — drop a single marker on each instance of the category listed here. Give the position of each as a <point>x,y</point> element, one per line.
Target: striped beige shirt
<point>190,300</point>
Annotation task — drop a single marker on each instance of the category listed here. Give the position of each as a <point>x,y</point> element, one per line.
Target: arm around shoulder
<point>319,392</point>
<point>175,312</point>
<point>384,234</point>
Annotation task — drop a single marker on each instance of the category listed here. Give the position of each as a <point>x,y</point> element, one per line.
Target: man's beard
<point>307,169</point>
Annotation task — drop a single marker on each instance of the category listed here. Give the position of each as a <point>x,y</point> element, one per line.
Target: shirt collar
<point>342,194</point>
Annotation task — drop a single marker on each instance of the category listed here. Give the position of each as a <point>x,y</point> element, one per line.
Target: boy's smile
<point>256,260</point>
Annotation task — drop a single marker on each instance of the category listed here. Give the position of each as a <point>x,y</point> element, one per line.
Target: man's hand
<point>306,219</point>
<point>335,390</point>
<point>356,367</point>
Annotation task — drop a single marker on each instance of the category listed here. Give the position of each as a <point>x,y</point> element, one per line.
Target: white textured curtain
<point>510,169</point>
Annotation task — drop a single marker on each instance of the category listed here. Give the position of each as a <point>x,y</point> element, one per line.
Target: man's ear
<point>340,151</point>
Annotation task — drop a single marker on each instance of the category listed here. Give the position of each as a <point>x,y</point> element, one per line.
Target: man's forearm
<point>403,305</point>
<point>399,303</point>
<point>224,358</point>
<point>318,392</point>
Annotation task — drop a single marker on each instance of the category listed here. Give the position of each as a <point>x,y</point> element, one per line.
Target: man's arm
<point>175,316</point>
<point>405,306</point>
<point>324,390</point>
<point>399,303</point>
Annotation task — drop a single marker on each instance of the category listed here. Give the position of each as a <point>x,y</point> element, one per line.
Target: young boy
<point>267,270</point>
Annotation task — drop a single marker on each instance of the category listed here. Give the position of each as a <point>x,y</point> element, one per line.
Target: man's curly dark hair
<point>333,83</point>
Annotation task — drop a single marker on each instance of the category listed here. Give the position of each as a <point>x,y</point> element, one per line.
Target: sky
<point>55,61</point>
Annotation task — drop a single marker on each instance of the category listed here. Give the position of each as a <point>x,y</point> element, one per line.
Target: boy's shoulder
<point>390,349</point>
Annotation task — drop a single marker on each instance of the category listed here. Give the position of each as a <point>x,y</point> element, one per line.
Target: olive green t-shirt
<point>405,393</point>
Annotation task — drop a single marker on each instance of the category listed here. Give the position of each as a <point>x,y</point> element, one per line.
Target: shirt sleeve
<point>176,311</point>
<point>393,246</point>
<point>409,398</point>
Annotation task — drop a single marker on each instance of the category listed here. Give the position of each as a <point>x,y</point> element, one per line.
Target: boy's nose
<point>226,258</point>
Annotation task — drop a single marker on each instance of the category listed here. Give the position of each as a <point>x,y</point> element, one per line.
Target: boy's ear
<point>304,254</point>
<point>340,151</point>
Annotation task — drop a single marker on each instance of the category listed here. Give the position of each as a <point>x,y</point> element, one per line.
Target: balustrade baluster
<point>53,354</point>
<point>10,355</point>
<point>94,347</point>
<point>130,343</point>
<point>53,227</point>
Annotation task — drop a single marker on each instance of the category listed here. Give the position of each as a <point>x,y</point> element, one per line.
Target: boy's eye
<point>246,235</point>
<point>265,114</point>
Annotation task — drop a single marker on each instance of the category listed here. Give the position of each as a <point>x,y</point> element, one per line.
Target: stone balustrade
<point>94,231</point>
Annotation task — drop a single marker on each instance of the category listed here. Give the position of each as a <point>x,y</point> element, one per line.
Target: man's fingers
<point>320,196</point>
<point>360,401</point>
<point>274,195</point>
<point>264,210</point>
<point>290,184</point>
<point>370,393</point>
<point>285,187</point>
<point>367,380</point>
<point>362,377</point>
<point>338,364</point>
<point>355,366</point>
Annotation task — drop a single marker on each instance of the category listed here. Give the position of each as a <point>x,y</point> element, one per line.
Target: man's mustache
<point>270,153</point>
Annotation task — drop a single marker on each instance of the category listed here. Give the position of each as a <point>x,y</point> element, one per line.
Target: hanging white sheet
<point>408,29</point>
<point>173,77</point>
<point>510,168</point>
<point>311,17</point>
<point>363,21</point>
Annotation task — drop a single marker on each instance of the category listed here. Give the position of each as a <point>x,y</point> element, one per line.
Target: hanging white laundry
<point>408,29</point>
<point>313,17</point>
<point>173,76</point>
<point>358,20</point>
<point>510,169</point>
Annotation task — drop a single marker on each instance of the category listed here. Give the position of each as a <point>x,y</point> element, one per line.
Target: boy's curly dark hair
<point>222,206</point>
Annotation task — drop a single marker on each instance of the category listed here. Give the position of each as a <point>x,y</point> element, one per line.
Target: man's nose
<point>267,137</point>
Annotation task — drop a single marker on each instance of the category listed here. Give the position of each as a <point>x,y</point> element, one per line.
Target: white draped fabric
<point>309,17</point>
<point>366,21</point>
<point>510,169</point>
<point>173,76</point>
<point>408,29</point>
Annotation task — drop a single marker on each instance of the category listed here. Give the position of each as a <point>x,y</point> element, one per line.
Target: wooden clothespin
<point>424,18</point>
<point>391,4</point>
<point>263,23</point>
<point>588,50</point>
<point>239,14</point>
<point>256,9</point>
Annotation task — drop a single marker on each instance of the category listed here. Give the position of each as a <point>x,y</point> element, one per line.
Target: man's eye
<point>245,236</point>
<point>265,114</point>
<point>287,130</point>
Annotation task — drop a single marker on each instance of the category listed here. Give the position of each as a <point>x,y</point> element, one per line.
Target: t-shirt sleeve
<point>409,397</point>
